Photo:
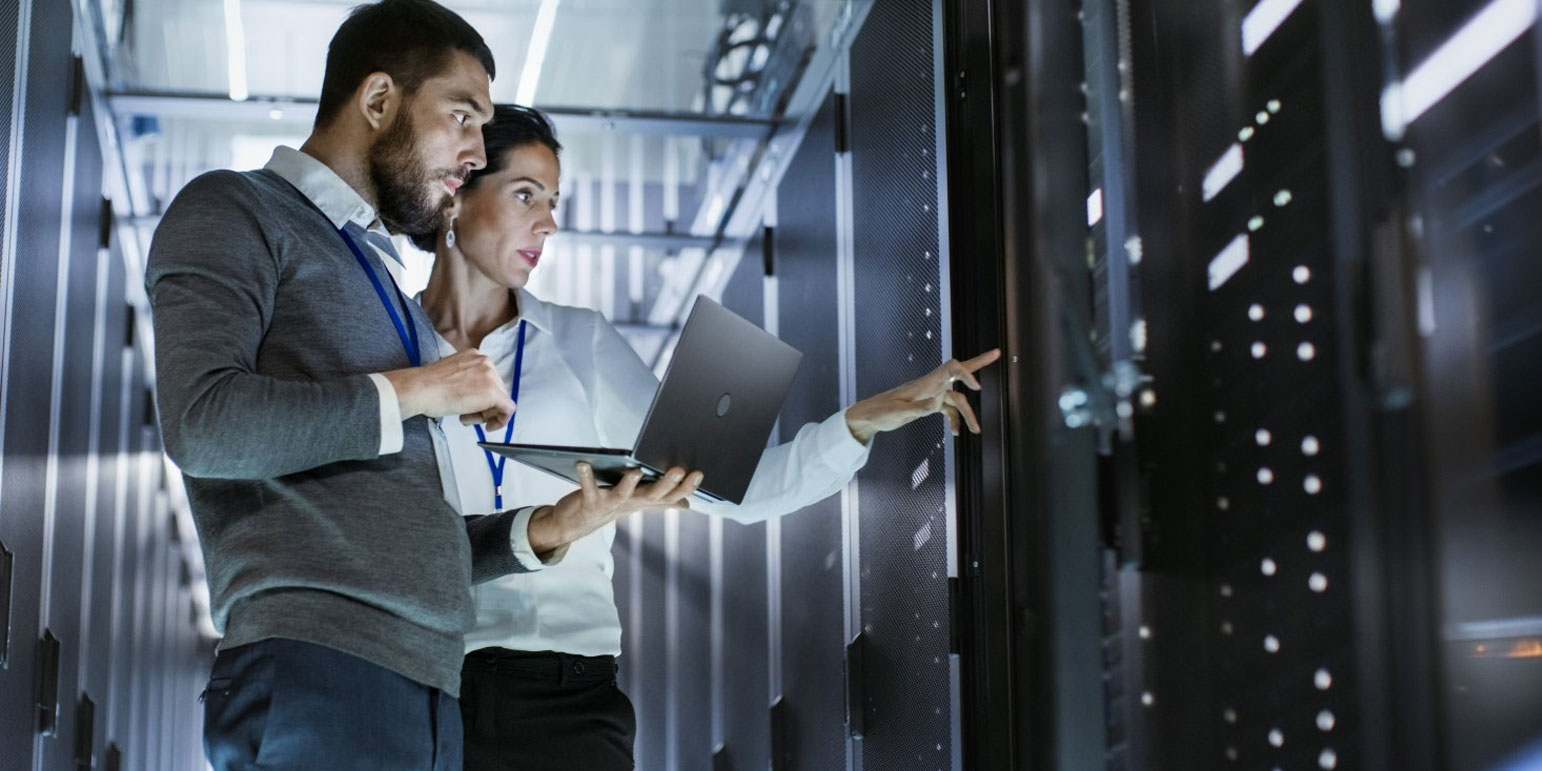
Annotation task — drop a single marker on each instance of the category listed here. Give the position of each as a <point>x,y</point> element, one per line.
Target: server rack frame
<point>1027,605</point>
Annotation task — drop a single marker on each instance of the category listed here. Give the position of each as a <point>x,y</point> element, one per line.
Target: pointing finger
<point>984,359</point>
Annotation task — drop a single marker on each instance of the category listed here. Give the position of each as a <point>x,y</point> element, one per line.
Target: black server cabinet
<point>1253,445</point>
<point>905,685</point>
<point>813,630</point>
<point>1472,171</point>
<point>28,365</point>
<point>1264,540</point>
<point>76,373</point>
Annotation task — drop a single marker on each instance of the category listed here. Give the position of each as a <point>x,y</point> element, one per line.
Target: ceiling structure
<point>663,106</point>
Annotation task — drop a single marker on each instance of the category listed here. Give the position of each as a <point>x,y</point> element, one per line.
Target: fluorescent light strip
<point>1225,169</point>
<point>1228,262</point>
<point>235,50</point>
<point>1488,33</point>
<point>1386,10</point>
<point>1263,20</point>
<point>1095,207</point>
<point>535,57</point>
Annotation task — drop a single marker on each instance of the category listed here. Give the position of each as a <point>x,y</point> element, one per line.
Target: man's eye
<point>461,118</point>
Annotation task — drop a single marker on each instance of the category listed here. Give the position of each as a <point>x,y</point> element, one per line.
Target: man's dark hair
<point>512,126</point>
<point>410,40</point>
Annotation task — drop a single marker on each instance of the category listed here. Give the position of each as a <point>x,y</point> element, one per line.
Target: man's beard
<point>402,183</point>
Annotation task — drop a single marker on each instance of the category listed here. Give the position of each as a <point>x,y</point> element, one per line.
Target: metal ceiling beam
<point>673,242</point>
<point>218,107</point>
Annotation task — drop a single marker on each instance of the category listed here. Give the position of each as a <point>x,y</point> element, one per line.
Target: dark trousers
<point>544,712</point>
<point>283,704</point>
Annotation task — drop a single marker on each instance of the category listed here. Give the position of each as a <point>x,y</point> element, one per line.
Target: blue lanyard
<point>496,466</point>
<point>406,330</point>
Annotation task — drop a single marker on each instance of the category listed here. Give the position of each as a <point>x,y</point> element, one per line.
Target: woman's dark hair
<point>410,40</point>
<point>512,127</point>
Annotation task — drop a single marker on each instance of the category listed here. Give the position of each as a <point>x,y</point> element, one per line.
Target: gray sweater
<point>266,329</point>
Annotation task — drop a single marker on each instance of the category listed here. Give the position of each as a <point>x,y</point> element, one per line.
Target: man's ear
<point>378,98</point>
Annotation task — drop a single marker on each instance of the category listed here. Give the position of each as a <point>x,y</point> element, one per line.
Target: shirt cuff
<point>837,447</point>
<point>519,543</point>
<point>390,415</point>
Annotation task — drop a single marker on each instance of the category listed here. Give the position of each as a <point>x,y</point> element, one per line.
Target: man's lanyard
<point>406,330</point>
<point>496,466</point>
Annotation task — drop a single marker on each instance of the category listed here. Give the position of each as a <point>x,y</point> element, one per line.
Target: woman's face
<point>504,220</point>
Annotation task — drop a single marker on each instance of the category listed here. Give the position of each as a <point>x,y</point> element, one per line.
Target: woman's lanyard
<point>496,466</point>
<point>406,330</point>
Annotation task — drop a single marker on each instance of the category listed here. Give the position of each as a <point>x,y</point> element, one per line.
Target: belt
<point>545,665</point>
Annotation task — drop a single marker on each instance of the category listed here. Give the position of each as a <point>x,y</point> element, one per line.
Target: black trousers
<point>545,711</point>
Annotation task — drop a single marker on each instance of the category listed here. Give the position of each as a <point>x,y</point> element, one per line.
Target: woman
<point>539,688</point>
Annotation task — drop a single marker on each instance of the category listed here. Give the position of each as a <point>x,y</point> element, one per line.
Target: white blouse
<point>583,385</point>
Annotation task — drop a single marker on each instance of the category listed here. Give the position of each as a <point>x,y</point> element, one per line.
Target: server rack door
<point>745,742</point>
<point>10,40</point>
<point>690,715</point>
<point>1471,158</point>
<point>33,281</point>
<point>650,639</point>
<point>1253,443</point>
<point>812,591</point>
<point>140,669</point>
<point>75,373</point>
<point>133,486</point>
<point>906,687</point>
<point>97,607</point>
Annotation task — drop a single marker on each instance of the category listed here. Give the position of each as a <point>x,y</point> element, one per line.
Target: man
<point>298,391</point>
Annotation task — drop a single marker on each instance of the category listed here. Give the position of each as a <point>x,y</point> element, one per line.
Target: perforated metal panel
<point>813,606</point>
<point>1258,382</point>
<point>29,365</point>
<point>10,26</point>
<point>904,542</point>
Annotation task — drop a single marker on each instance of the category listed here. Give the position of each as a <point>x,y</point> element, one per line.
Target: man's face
<point>420,160</point>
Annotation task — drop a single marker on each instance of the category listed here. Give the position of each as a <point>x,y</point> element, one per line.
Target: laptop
<point>713,411</point>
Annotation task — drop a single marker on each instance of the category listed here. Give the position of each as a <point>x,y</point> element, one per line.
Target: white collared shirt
<point>583,385</point>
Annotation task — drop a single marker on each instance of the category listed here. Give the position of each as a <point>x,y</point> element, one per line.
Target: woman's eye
<point>523,196</point>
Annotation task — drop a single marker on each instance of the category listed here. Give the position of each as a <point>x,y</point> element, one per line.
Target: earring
<point>449,236</point>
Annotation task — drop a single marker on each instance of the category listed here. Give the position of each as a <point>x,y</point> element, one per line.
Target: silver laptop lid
<point>719,400</point>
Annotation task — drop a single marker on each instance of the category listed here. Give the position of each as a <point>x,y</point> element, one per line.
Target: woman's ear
<point>451,208</point>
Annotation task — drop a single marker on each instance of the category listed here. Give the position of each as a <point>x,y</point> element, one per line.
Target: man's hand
<point>591,507</point>
<point>928,394</point>
<point>465,384</point>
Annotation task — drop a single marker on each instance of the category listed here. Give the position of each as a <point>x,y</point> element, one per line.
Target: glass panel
<point>1474,162</point>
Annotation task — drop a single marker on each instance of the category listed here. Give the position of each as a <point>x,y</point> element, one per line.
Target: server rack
<point>100,654</point>
<point>1299,282</point>
<point>1469,176</point>
<point>832,628</point>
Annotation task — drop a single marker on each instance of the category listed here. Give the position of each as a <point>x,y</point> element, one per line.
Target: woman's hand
<point>926,395</point>
<point>592,507</point>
